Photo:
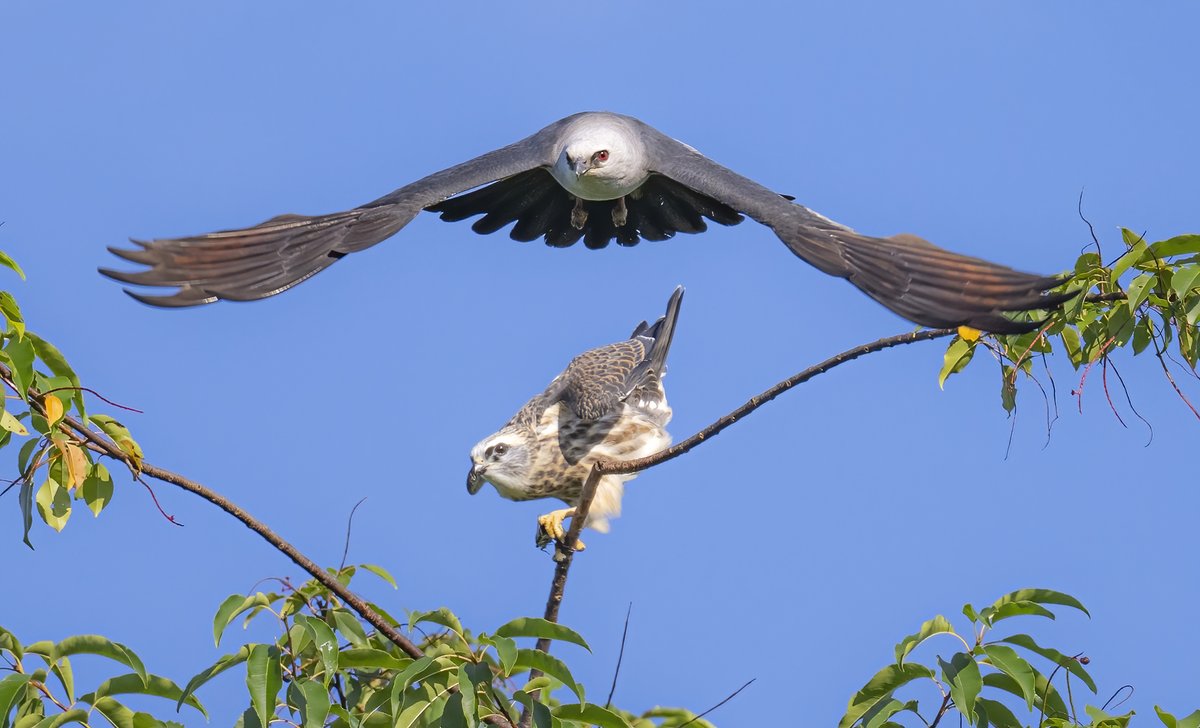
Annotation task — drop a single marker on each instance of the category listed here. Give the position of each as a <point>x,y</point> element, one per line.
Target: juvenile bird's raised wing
<point>269,258</point>
<point>923,283</point>
<point>596,382</point>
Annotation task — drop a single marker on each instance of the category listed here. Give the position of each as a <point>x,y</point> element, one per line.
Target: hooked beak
<point>475,478</point>
<point>579,166</point>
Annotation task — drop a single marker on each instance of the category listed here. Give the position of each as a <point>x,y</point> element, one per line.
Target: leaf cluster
<point>1147,300</point>
<point>991,678</point>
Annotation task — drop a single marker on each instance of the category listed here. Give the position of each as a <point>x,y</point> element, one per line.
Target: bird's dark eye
<point>601,156</point>
<point>500,449</point>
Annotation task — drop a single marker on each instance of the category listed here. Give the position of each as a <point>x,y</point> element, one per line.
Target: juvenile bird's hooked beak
<point>475,478</point>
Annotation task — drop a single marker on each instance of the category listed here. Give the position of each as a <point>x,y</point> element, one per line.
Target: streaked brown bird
<point>594,176</point>
<point>608,403</point>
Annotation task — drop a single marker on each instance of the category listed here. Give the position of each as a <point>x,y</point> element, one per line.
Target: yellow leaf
<point>969,333</point>
<point>54,408</point>
<point>12,424</point>
<point>76,463</point>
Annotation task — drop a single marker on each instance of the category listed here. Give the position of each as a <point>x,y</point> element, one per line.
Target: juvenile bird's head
<point>502,459</point>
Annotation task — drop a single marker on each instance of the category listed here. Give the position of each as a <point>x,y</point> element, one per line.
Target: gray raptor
<point>594,176</point>
<point>608,403</point>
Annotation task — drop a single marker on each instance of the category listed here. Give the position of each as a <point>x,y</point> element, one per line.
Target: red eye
<point>601,156</point>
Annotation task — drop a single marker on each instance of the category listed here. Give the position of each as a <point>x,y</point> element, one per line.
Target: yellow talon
<point>550,528</point>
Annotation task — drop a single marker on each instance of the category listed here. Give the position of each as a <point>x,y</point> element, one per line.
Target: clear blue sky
<point>799,546</point>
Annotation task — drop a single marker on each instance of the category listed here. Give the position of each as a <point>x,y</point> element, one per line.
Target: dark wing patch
<point>540,207</point>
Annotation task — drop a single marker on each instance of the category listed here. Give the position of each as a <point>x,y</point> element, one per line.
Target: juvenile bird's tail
<point>660,333</point>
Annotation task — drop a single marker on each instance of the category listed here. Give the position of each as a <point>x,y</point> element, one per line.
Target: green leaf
<point>1067,662</point>
<point>132,684</point>
<point>1008,388</point>
<point>94,644</point>
<point>325,641</point>
<point>54,359</point>
<point>1100,719</point>
<point>879,716</point>
<point>937,625</point>
<point>441,616</point>
<point>590,714</point>
<point>116,713</point>
<point>12,424</point>
<point>1018,609</point>
<point>1136,254</point>
<point>381,572</point>
<point>552,666</point>
<point>1178,245</point>
<point>62,670</point>
<point>962,674</point>
<point>1138,290</point>
<point>1041,596</point>
<point>1006,660</point>
<point>12,312</point>
<point>11,687</point>
<point>121,437</point>
<point>998,714</point>
<point>506,650</point>
<point>97,489</point>
<point>542,629</point>
<point>1055,707</point>
<point>541,713</point>
<point>20,351</point>
<point>452,714</point>
<point>539,682</point>
<point>1170,721</point>
<point>880,687</point>
<point>11,264</point>
<point>234,605</point>
<point>221,665</point>
<point>1072,345</point>
<point>349,625</point>
<point>314,704</point>
<point>467,707</point>
<point>75,715</point>
<point>1183,280</point>
<point>9,641</point>
<point>25,498</point>
<point>957,356</point>
<point>54,504</point>
<point>370,658</point>
<point>264,679</point>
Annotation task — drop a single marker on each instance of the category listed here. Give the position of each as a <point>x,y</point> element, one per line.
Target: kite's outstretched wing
<point>923,283</point>
<point>261,261</point>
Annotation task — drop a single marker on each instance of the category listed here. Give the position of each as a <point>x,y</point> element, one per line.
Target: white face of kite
<point>600,162</point>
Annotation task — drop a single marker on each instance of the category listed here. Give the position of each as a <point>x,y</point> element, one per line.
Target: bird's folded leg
<point>578,214</point>
<point>550,528</point>
<point>620,213</point>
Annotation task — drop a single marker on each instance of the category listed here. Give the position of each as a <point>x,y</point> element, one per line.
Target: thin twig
<point>942,711</point>
<point>349,523</point>
<point>620,656</point>
<point>608,467</point>
<point>718,705</point>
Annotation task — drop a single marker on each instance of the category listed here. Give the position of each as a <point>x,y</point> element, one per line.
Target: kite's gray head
<point>601,158</point>
<point>503,460</point>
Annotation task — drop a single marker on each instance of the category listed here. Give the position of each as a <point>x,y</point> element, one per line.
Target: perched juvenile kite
<point>593,176</point>
<point>609,403</point>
